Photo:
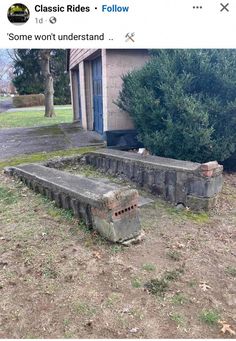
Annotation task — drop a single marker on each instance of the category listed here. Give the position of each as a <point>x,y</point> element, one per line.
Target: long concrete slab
<point>110,209</point>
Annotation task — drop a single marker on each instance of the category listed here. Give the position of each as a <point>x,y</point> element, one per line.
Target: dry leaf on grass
<point>97,255</point>
<point>178,245</point>
<point>134,330</point>
<point>204,286</point>
<point>226,328</point>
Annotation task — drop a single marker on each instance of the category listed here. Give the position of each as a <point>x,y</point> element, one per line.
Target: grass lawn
<point>58,279</point>
<point>2,98</point>
<point>34,118</point>
<point>40,157</point>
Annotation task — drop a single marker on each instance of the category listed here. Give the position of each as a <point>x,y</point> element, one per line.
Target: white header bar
<point>121,24</point>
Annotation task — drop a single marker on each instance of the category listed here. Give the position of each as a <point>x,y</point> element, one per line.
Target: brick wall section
<point>110,209</point>
<point>193,184</point>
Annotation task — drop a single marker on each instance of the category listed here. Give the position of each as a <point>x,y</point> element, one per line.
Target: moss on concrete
<point>50,130</point>
<point>40,157</point>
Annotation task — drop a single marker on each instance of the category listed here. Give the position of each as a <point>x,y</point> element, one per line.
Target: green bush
<point>183,103</point>
<point>22,101</point>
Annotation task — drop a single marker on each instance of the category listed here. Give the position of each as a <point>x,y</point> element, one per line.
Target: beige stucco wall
<point>119,62</point>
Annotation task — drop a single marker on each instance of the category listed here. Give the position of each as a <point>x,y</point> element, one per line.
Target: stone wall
<point>193,184</point>
<point>110,209</point>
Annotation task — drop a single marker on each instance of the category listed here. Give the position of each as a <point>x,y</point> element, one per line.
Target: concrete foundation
<point>193,184</point>
<point>110,209</point>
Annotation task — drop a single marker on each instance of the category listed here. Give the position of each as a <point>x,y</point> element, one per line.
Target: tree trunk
<point>48,79</point>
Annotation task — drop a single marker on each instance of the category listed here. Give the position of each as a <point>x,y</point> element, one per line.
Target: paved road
<point>18,141</point>
<point>5,105</point>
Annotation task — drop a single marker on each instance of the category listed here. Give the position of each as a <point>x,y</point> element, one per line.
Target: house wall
<point>88,94</point>
<point>78,55</point>
<point>115,63</point>
<point>80,59</point>
<point>118,63</point>
<point>74,94</point>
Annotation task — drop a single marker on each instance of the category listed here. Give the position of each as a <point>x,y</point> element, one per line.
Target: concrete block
<point>170,178</point>
<point>65,200</point>
<point>57,199</point>
<point>205,187</point>
<point>200,203</point>
<point>170,193</point>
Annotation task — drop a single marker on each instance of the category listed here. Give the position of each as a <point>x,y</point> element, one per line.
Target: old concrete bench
<point>110,209</point>
<point>192,184</point>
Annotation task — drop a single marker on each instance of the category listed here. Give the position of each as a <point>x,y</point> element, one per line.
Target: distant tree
<point>6,70</point>
<point>31,67</point>
<point>28,78</point>
<point>183,103</point>
<point>44,60</point>
<point>61,79</point>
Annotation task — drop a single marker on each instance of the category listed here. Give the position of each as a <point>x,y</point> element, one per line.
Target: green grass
<point>179,299</point>
<point>66,322</point>
<point>86,170</point>
<point>174,255</point>
<point>198,217</point>
<point>34,118</point>
<point>112,300</point>
<point>90,171</point>
<point>69,335</point>
<point>40,157</point>
<point>117,248</point>
<point>50,272</point>
<point>149,267</point>
<point>84,309</point>
<point>2,98</point>
<point>210,317</point>
<point>178,319</point>
<point>7,197</point>
<point>136,283</point>
<point>159,286</point>
<point>231,271</point>
<point>56,212</point>
<point>173,275</point>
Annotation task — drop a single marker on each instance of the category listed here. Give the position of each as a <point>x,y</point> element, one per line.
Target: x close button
<point>224,7</point>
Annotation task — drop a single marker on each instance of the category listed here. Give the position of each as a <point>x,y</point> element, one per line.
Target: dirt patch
<point>60,280</point>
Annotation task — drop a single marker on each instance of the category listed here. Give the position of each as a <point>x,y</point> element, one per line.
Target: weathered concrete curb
<point>193,184</point>
<point>62,162</point>
<point>110,209</point>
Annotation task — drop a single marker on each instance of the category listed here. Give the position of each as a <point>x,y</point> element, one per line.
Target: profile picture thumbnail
<point>18,14</point>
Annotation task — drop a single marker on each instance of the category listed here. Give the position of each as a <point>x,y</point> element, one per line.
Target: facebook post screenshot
<point>117,169</point>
